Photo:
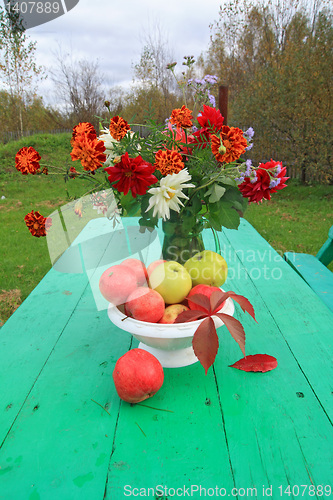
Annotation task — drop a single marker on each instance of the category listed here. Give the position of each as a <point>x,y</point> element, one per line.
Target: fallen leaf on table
<point>256,363</point>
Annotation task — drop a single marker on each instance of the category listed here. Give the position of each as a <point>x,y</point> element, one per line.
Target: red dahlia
<point>132,174</point>
<point>270,177</point>
<point>211,118</point>
<point>211,121</point>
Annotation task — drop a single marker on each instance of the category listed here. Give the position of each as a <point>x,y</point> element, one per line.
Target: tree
<point>80,89</point>
<point>153,82</point>
<point>279,76</point>
<point>17,62</point>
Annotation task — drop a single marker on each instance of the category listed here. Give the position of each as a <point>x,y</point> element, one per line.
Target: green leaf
<point>224,214</point>
<point>214,221</point>
<point>130,204</point>
<point>215,192</point>
<point>147,219</point>
<point>196,204</point>
<point>235,197</point>
<point>228,181</point>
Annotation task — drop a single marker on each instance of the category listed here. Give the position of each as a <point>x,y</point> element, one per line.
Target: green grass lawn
<point>296,219</point>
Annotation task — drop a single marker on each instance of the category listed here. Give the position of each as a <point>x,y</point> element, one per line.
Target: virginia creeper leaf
<point>216,300</point>
<point>235,328</point>
<point>256,363</point>
<point>242,301</point>
<point>205,343</point>
<point>201,302</point>
<point>189,315</point>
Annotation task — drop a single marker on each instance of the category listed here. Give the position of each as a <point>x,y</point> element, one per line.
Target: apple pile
<point>158,293</point>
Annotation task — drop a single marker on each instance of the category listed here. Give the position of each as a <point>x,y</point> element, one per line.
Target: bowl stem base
<point>172,359</point>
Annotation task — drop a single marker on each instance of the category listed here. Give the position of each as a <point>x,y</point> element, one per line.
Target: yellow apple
<point>207,268</point>
<point>171,312</point>
<point>172,281</point>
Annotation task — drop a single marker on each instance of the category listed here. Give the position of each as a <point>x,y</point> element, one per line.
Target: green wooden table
<point>65,435</point>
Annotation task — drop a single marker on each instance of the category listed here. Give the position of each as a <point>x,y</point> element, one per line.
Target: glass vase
<point>182,237</point>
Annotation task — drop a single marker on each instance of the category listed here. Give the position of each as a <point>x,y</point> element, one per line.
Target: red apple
<point>204,290</point>
<point>117,283</point>
<point>154,264</point>
<point>137,376</point>
<point>139,269</point>
<point>171,312</point>
<point>145,304</point>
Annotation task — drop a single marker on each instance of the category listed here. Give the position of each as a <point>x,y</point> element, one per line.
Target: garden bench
<point>314,271</point>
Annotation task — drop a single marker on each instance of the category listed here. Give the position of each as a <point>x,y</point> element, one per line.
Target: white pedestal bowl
<point>171,344</point>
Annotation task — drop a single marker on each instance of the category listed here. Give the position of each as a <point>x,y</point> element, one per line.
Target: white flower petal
<point>167,195</point>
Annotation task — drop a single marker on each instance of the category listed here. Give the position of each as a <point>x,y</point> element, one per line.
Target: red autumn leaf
<point>205,340</point>
<point>201,301</point>
<point>235,328</point>
<point>256,363</point>
<point>206,343</point>
<point>240,299</point>
<point>216,299</point>
<point>190,315</point>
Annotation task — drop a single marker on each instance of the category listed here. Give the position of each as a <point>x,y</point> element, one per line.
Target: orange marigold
<point>168,161</point>
<point>118,127</point>
<point>81,130</point>
<point>229,145</point>
<point>27,160</point>
<point>90,151</point>
<point>182,117</point>
<point>37,224</point>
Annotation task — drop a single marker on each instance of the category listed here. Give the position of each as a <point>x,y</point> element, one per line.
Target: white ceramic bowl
<point>170,343</point>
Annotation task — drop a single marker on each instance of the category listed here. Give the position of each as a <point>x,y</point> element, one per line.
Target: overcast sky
<point>114,32</point>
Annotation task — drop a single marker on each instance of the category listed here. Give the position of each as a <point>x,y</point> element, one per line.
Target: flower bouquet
<point>189,173</point>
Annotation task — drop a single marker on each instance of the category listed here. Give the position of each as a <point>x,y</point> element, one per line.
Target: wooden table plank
<point>305,323</point>
<point>62,439</point>
<point>186,447</point>
<point>28,337</point>
<point>277,423</point>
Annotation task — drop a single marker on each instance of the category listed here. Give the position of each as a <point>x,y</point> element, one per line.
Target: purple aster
<point>248,164</point>
<point>199,82</point>
<point>212,79</point>
<point>274,183</point>
<point>211,99</point>
<point>249,132</point>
